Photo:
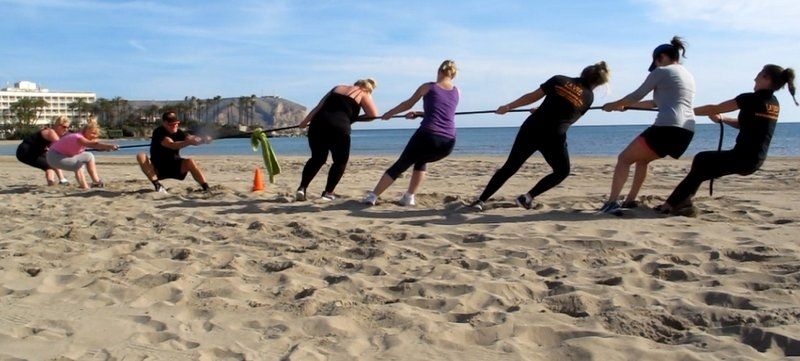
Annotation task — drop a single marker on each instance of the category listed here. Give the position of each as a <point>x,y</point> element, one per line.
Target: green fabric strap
<point>259,139</point>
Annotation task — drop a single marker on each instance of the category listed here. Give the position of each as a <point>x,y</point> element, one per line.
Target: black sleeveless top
<point>336,114</point>
<point>36,143</point>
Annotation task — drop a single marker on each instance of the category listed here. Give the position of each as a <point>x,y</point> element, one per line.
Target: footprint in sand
<point>164,340</point>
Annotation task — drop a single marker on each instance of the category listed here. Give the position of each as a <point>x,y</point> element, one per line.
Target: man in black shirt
<point>165,160</point>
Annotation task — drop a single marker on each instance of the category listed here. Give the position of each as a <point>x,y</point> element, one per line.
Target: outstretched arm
<point>633,99</point>
<point>370,110</point>
<point>714,112</point>
<point>407,104</point>
<point>526,99</point>
<point>314,111</point>
<point>96,144</point>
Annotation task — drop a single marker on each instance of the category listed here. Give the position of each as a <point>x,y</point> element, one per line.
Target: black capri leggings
<point>422,148</point>
<point>554,150</point>
<point>25,155</point>
<point>321,142</point>
<point>710,165</point>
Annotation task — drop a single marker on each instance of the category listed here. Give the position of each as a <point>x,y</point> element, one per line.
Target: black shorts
<point>667,141</point>
<point>169,169</point>
<point>24,155</point>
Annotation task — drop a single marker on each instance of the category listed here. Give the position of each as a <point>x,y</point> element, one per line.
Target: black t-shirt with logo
<point>758,115</point>
<point>566,100</point>
<point>160,153</point>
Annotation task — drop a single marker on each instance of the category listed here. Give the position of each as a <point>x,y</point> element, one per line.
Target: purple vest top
<point>439,105</point>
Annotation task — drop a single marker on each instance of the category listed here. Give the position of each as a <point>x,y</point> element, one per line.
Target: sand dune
<point>123,273</point>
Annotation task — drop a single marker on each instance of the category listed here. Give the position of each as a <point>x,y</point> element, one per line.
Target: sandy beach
<point>124,273</point>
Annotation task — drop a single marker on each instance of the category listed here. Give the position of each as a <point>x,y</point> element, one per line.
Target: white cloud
<point>136,45</point>
<point>763,16</point>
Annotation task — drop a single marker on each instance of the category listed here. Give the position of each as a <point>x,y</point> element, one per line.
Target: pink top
<point>68,145</point>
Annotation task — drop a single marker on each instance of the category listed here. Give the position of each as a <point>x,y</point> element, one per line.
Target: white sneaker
<point>300,195</point>
<point>408,200</point>
<point>162,190</point>
<point>328,196</point>
<point>370,199</point>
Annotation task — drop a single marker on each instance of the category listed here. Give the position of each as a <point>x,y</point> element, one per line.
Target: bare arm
<point>370,110</point>
<point>50,135</point>
<point>633,99</point>
<point>714,112</point>
<point>167,142</point>
<point>96,144</point>
<point>406,105</point>
<point>314,111</point>
<point>526,99</point>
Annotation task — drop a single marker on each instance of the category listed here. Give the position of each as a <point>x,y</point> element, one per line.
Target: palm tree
<point>242,106</point>
<point>81,106</point>
<point>27,110</point>
<point>216,100</point>
<point>231,105</point>
<point>252,108</point>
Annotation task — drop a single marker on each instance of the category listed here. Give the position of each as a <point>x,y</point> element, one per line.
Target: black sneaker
<point>630,204</point>
<point>478,205</point>
<point>612,208</point>
<point>525,201</point>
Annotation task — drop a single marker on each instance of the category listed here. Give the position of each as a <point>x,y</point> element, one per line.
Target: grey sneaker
<point>408,200</point>
<point>370,199</point>
<point>161,189</point>
<point>300,195</point>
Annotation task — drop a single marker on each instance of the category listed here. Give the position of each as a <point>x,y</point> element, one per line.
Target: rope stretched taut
<point>248,134</point>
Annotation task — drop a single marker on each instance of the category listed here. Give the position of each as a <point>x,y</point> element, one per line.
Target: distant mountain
<point>267,112</point>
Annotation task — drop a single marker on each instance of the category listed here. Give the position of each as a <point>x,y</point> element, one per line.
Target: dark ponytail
<point>788,77</point>
<point>779,77</point>
<point>678,48</point>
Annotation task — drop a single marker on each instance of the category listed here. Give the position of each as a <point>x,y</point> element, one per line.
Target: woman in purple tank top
<point>435,137</point>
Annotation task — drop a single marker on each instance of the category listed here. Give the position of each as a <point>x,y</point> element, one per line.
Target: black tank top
<point>36,143</point>
<point>336,114</point>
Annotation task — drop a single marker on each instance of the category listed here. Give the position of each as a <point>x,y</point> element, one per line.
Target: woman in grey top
<point>673,92</point>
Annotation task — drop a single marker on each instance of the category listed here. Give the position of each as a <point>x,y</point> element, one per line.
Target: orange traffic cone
<point>258,180</point>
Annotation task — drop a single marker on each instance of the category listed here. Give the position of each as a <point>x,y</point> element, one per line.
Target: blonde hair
<point>596,74</point>
<point>61,120</point>
<point>367,85</point>
<point>91,124</point>
<point>448,68</point>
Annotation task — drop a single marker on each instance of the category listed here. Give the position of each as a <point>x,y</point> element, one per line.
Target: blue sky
<point>300,49</point>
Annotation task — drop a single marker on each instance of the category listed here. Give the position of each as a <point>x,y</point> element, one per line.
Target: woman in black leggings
<point>758,114</point>
<point>329,131</point>
<point>565,101</point>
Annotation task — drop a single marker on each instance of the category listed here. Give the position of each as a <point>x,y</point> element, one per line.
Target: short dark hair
<point>169,116</point>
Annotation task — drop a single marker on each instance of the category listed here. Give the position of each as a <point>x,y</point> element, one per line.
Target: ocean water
<point>606,140</point>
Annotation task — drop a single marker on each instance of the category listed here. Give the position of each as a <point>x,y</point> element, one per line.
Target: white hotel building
<point>58,101</point>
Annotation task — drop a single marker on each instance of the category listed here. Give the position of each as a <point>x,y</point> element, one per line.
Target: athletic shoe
<point>63,182</point>
<point>408,200</point>
<point>630,204</point>
<point>161,189</point>
<point>478,205</point>
<point>370,199</point>
<point>300,195</point>
<point>611,207</point>
<point>98,184</point>
<point>524,201</point>
<point>328,196</point>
